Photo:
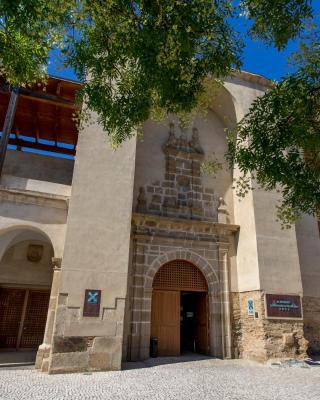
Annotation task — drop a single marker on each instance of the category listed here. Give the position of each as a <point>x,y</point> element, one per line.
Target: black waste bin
<point>154,347</point>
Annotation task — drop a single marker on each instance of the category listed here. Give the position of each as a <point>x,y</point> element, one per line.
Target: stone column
<point>225,300</point>
<point>97,256</point>
<point>43,354</point>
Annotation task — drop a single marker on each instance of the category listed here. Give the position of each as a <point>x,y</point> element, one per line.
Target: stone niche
<point>181,193</point>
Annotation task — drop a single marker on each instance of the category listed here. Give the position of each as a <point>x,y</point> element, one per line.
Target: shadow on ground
<point>17,358</point>
<point>153,362</point>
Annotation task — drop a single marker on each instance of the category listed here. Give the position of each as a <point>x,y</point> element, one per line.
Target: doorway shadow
<point>154,362</point>
<point>14,358</point>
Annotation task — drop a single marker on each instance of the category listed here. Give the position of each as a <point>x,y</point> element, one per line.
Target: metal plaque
<point>92,300</point>
<point>283,306</point>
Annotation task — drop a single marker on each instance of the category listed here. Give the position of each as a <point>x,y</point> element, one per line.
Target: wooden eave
<point>45,113</point>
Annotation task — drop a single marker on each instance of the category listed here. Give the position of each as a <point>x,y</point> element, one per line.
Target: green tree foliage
<point>147,55</point>
<point>278,141</point>
<point>29,29</point>
<point>149,58</point>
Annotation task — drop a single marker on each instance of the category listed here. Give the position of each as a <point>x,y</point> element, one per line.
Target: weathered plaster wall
<point>46,216</point>
<point>308,239</point>
<point>265,252</point>
<point>34,197</point>
<point>38,167</point>
<point>96,255</point>
<point>151,161</point>
<point>279,265</point>
<point>243,92</point>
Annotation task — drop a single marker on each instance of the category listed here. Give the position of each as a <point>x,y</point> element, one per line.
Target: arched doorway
<point>179,312</point>
<point>25,284</point>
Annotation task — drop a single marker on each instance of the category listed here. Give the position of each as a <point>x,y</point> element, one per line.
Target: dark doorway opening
<point>23,316</point>
<point>193,323</point>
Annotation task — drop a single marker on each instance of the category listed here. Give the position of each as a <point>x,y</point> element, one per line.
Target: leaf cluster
<point>279,143</point>
<point>29,29</point>
<point>143,56</point>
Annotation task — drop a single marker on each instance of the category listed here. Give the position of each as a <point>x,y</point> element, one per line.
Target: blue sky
<point>257,57</point>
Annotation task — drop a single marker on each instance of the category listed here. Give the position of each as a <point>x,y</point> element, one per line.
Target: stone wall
<point>158,240</point>
<point>260,338</point>
<point>311,315</point>
<point>77,350</point>
<point>181,193</point>
<point>178,218</point>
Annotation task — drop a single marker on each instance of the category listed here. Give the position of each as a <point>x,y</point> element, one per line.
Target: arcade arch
<point>25,283</point>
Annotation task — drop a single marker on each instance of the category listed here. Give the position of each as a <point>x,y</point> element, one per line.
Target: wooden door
<point>165,321</point>
<point>23,316</point>
<point>11,309</point>
<point>201,324</point>
<point>35,319</point>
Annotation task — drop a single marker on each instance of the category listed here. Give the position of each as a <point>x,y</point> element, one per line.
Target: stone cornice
<point>172,151</point>
<point>180,224</point>
<point>34,198</point>
<point>254,78</point>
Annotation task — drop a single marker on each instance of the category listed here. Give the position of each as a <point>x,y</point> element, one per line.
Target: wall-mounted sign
<point>92,300</point>
<point>250,307</point>
<point>283,306</point>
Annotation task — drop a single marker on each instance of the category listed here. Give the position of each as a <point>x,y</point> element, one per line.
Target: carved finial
<point>195,142</point>
<point>171,142</point>
<point>141,200</point>
<point>171,129</point>
<point>56,263</point>
<point>222,211</point>
<point>183,140</point>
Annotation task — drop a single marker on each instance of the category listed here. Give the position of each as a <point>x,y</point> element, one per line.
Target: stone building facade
<point>133,242</point>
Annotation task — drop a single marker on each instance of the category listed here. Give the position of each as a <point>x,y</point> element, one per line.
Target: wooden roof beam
<point>41,146</point>
<point>17,134</point>
<point>42,97</point>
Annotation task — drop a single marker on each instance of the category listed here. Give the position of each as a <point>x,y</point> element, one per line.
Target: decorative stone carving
<point>181,193</point>
<point>56,263</point>
<point>222,211</point>
<point>141,201</point>
<point>195,142</point>
<point>35,252</point>
<point>183,140</point>
<point>181,144</point>
<point>172,141</point>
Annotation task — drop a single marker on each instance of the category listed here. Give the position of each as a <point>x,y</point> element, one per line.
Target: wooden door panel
<point>11,307</point>
<point>201,324</point>
<point>165,321</point>
<point>35,319</point>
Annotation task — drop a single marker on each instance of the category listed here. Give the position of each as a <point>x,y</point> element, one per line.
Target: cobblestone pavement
<point>199,379</point>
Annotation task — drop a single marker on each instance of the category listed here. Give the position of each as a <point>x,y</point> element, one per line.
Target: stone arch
<point>26,275</point>
<point>198,261</point>
<point>225,106</point>
<point>142,301</point>
<point>15,233</point>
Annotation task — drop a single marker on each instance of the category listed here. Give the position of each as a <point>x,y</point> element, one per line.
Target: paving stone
<point>165,379</point>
